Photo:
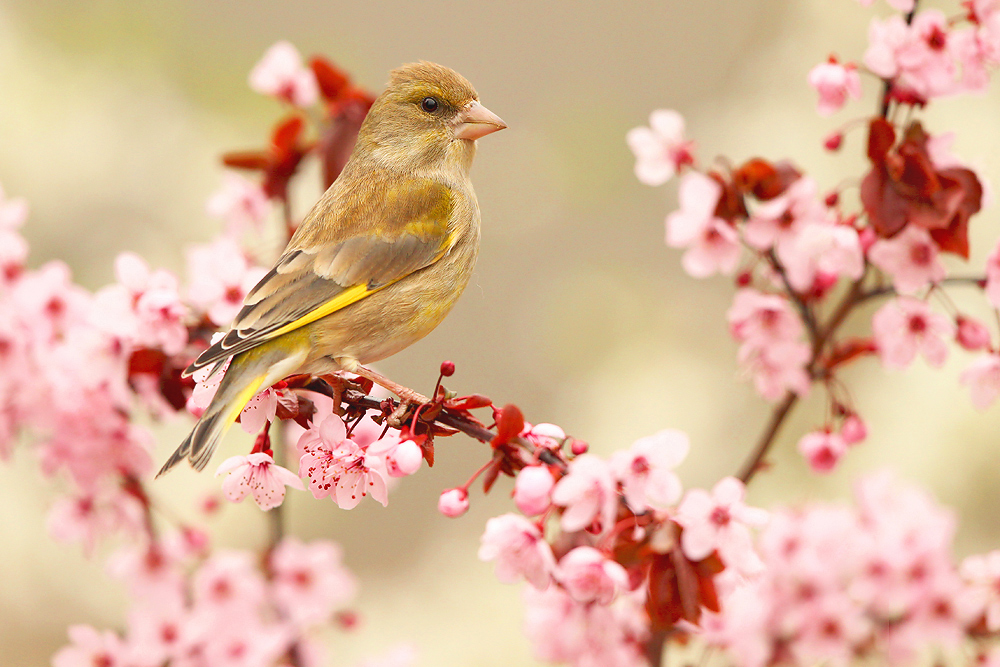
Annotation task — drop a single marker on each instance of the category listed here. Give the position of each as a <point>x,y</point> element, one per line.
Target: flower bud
<point>972,334</point>
<point>832,142</point>
<point>531,490</point>
<point>579,447</point>
<point>853,430</point>
<point>454,503</point>
<point>447,368</point>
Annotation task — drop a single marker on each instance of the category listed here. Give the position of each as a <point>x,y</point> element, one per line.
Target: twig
<point>654,648</point>
<point>753,463</point>
<point>887,83</point>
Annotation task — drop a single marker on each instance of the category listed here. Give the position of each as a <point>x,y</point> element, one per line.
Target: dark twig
<point>753,463</point>
<point>887,83</point>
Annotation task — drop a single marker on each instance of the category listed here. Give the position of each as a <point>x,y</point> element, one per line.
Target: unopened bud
<point>833,142</point>
<point>447,368</point>
<point>579,447</point>
<point>454,503</point>
<point>744,278</point>
<point>972,334</point>
<point>853,430</point>
<point>832,199</point>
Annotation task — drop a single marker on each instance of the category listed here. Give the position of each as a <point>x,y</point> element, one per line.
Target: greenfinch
<point>376,264</point>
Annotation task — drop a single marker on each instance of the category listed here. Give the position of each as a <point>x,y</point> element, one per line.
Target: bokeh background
<point>113,114</point>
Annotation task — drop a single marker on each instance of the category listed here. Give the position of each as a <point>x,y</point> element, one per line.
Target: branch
<point>753,464</point>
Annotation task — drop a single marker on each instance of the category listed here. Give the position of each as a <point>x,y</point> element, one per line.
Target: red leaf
<point>510,423</point>
<point>471,402</point>
<point>285,135</point>
<point>331,80</point>
<point>255,160</point>
<point>881,137</point>
<point>145,360</point>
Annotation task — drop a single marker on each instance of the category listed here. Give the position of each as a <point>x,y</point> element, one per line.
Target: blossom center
<point>921,254</point>
<point>917,324</point>
<point>720,516</point>
<point>640,466</point>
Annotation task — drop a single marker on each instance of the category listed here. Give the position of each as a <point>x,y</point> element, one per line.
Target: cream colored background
<point>113,114</point>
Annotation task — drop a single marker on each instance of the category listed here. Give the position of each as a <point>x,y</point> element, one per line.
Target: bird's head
<point>429,115</point>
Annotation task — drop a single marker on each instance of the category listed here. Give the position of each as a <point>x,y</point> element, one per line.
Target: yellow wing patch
<point>342,300</point>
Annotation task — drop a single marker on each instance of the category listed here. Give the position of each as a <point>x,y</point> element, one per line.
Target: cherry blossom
<point>337,465</point>
<point>585,635</point>
<point>402,457</point>
<point>720,521</point>
<point>983,379</point>
<point>589,576</point>
<point>646,470</point>
<point>257,474</point>
<point>588,494</point>
<point>762,319</point>
<point>220,276</point>
<point>533,490</point>
<point>240,203</point>
<point>549,436</point>
<point>90,648</point>
<point>982,572</point>
<point>776,223</point>
<point>712,243</point>
<point>309,581</point>
<point>280,73</point>
<point>910,258</point>
<point>228,581</point>
<point>453,503</point>
<point>835,83</point>
<point>822,449</point>
<point>905,326</point>
<point>821,252</point>
<point>660,149</point>
<point>519,550</point>
<point>777,368</point>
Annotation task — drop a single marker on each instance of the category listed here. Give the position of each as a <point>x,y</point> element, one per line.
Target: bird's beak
<point>475,121</point>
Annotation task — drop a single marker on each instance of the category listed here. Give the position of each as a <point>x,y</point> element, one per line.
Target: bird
<point>376,264</point>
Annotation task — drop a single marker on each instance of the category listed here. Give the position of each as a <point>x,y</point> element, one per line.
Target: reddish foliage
<point>765,180</point>
<point>904,186</point>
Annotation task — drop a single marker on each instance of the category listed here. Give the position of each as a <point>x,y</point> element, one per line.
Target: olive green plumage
<point>376,264</point>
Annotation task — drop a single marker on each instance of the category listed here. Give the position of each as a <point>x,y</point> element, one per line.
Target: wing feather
<point>324,275</point>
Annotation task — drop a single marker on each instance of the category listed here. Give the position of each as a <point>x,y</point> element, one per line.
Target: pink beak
<point>475,121</point>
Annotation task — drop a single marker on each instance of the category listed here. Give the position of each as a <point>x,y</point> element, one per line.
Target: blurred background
<point>113,114</point>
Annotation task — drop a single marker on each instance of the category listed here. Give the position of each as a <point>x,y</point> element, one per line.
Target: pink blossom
<point>519,550</point>
<point>834,83</point>
<point>983,378</point>
<point>158,633</point>
<point>156,304</point>
<point>152,572</point>
<point>777,368</point>
<point>544,435</point>
<point>822,449</point>
<point>228,581</point>
<point>821,252</point>
<point>335,464</point>
<point>309,581</point>
<point>646,470</point>
<point>402,457</point>
<point>982,573</point>
<point>910,258</point>
<point>905,326</point>
<point>761,319</point>
<point>775,223</point>
<point>712,244</point>
<point>241,203</point>
<point>220,276</point>
<point>590,576</point>
<point>533,489</point>
<point>260,409</point>
<point>257,474</point>
<point>453,503</point>
<point>243,640</point>
<point>920,56</point>
<point>207,381</point>
<point>588,494</point>
<point>971,334</point>
<point>90,648</point>
<point>853,430</point>
<point>720,522</point>
<point>660,150</point>
<point>89,517</point>
<point>280,73</point>
<point>563,630</point>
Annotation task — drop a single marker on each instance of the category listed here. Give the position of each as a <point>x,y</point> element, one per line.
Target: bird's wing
<point>341,262</point>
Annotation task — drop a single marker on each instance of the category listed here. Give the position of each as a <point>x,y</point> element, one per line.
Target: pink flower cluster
<point>875,582</point>
<point>190,608</point>
<point>593,588</point>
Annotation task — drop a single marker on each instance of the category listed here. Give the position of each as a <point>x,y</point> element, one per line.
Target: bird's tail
<point>246,375</point>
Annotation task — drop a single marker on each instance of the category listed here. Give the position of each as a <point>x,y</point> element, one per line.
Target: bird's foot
<point>405,394</point>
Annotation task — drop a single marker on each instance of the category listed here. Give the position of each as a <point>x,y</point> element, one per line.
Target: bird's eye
<point>430,104</point>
